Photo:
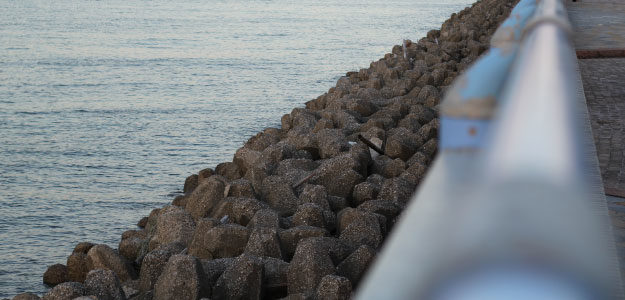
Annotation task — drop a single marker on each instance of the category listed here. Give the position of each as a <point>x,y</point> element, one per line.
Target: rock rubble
<point>302,210</point>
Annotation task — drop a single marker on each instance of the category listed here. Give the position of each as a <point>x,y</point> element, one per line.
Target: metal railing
<point>518,216</point>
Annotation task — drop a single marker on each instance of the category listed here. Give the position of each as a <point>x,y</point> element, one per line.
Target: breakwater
<point>318,237</point>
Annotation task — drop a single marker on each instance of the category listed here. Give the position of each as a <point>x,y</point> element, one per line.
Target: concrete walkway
<point>598,24</point>
<point>599,27</point>
<point>604,87</point>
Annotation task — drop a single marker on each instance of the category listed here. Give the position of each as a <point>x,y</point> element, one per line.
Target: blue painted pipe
<point>511,30</point>
<point>469,104</point>
<point>467,109</point>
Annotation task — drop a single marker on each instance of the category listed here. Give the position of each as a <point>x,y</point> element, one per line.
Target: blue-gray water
<point>106,106</point>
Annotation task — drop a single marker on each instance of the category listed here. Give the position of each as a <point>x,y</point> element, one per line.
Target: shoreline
<point>314,239</point>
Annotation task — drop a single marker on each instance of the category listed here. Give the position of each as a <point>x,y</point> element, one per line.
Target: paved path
<point>604,86</point>
<point>598,24</point>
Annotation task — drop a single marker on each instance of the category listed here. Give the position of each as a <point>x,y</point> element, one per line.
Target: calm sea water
<point>106,106</point>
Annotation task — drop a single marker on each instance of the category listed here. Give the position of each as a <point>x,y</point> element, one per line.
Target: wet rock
<point>205,197</point>
<point>303,118</point>
<point>103,257</point>
<point>417,170</point>
<point>410,122</point>
<point>264,241</point>
<point>213,269</point>
<point>279,195</point>
<point>256,174</point>
<point>375,83</point>
<point>376,179</point>
<point>190,184</point>
<point>274,277</point>
<point>264,218</point>
<point>244,158</point>
<point>181,279</point>
<point>316,194</point>
<point>363,192</point>
<point>204,174</point>
<point>286,122</point>
<point>293,176</point>
<point>300,296</point>
<point>289,164</point>
<point>349,215</point>
<point>336,249</point>
<point>432,102</point>
<point>333,287</point>
<point>90,297</point>
<point>438,77</point>
<point>83,247</point>
<point>238,209</point>
<point>227,240</point>
<point>337,203</point>
<point>318,103</point>
<point>375,135</point>
<point>309,214</point>
<point>241,188</point>
<point>331,142</point>
<point>393,168</point>
<point>397,190</point>
<point>290,238</point>
<point>131,243</point>
<point>180,201</point>
<point>174,224</point>
<point>150,227</point>
<point>64,291</point>
<point>424,114</point>
<point>323,124</point>
<point>414,93</point>
<point>154,262</point>
<point>398,107</point>
<point>303,140</point>
<point>364,107</point>
<point>278,152</point>
<point>329,220</point>
<point>355,265</point>
<point>420,158</point>
<point>309,265</point>
<point>229,170</point>
<point>104,284</point>
<point>26,296</point>
<point>424,80</point>
<point>360,154</point>
<point>263,139</point>
<point>356,159</point>
<point>401,143</point>
<point>426,92</point>
<point>430,148</point>
<point>205,224</point>
<point>382,207</point>
<point>431,59</point>
<point>359,228</point>
<point>77,267</point>
<point>338,180</point>
<point>55,274</point>
<point>381,121</point>
<point>387,113</point>
<point>149,295</point>
<point>241,280</point>
<point>131,288</point>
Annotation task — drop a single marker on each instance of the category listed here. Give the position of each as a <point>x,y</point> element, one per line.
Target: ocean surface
<point>107,106</point>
